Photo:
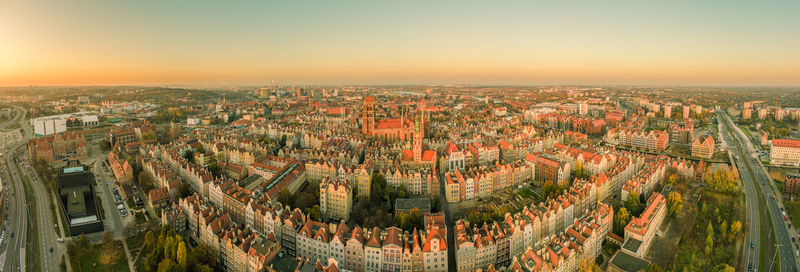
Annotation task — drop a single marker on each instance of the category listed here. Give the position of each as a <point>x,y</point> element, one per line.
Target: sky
<point>80,42</point>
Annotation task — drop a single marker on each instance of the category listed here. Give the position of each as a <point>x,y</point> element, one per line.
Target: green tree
<point>621,219</point>
<point>709,239</point>
<point>205,255</point>
<point>674,203</point>
<point>633,204</point>
<point>284,197</point>
<point>149,239</point>
<point>402,191</point>
<point>377,187</point>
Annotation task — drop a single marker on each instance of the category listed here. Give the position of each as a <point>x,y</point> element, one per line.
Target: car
<point>752,244</point>
<point>60,240</point>
<point>12,235</point>
<point>51,249</point>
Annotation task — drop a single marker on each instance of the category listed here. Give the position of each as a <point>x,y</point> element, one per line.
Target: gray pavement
<point>760,179</point>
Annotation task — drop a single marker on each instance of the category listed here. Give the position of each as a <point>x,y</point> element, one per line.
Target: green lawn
<point>525,192</point>
<point>90,260</point>
<point>136,241</point>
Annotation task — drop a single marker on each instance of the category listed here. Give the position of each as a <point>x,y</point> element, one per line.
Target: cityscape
<point>399,137</point>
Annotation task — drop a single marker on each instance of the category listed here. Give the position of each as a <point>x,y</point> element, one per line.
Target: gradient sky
<point>400,42</point>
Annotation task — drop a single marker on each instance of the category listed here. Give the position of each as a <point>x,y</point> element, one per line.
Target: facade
<point>335,199</point>
<point>703,147</point>
<point>784,152</point>
<point>67,145</point>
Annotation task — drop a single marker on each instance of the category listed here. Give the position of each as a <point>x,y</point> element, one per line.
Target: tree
<point>184,190</point>
<point>168,265</point>
<point>205,255</point>
<point>314,212</point>
<point>621,219</point>
<point>709,239</point>
<point>181,254</point>
<point>723,268</point>
<point>402,191</point>
<point>736,226</point>
<point>200,149</point>
<point>188,155</point>
<point>149,239</point>
<point>633,204</point>
<point>284,196</point>
<point>436,204</point>
<point>377,187</point>
<point>674,203</point>
<point>654,268</point>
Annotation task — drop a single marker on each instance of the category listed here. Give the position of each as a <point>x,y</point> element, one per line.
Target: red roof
<point>786,143</point>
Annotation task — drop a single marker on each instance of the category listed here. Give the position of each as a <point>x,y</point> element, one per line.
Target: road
<point>752,253</point>
<point>113,222</point>
<point>13,251</point>
<point>785,252</point>
<point>46,227</point>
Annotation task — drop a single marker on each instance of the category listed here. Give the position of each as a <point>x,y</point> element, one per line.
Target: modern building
<point>76,193</point>
<point>785,152</point>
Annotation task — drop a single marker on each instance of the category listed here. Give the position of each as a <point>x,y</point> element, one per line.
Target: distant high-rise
<point>686,110</point>
<point>583,108</point>
<point>368,118</point>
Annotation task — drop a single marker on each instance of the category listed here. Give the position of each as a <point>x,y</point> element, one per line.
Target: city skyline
<point>565,43</point>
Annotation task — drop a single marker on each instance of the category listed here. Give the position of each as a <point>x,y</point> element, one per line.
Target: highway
<point>752,250</point>
<point>13,250</point>
<point>758,177</point>
<point>46,227</point>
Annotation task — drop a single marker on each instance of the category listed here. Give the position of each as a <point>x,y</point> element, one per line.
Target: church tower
<point>368,118</point>
<point>419,132</point>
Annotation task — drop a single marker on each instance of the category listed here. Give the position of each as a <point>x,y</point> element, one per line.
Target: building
<point>549,168</point>
<point>747,113</point>
<point>75,187</point>
<point>785,152</point>
<point>49,125</point>
<point>640,230</point>
<point>703,147</point>
<point>622,261</point>
<point>368,117</point>
<point>66,145</point>
<point>335,199</point>
<point>792,185</point>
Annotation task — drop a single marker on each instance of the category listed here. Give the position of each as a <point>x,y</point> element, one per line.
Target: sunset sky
<point>402,42</point>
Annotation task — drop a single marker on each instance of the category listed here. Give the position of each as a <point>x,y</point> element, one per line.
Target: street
<point>753,175</point>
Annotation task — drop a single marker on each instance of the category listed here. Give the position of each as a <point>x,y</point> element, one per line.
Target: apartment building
<point>785,152</point>
<point>335,199</point>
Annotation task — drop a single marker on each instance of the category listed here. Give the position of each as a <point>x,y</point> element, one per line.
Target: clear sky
<point>708,42</point>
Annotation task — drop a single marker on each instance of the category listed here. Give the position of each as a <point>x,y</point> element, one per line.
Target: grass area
<point>136,241</point>
<point>90,260</point>
<point>525,192</point>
